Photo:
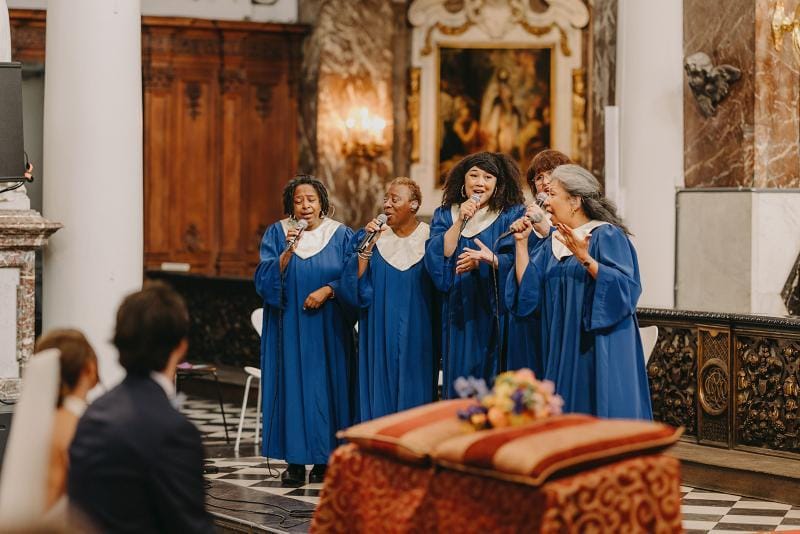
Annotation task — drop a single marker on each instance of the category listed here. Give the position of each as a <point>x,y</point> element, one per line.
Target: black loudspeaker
<point>12,154</point>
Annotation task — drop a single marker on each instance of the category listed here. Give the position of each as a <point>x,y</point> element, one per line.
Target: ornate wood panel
<point>713,385</point>
<point>225,140</point>
<point>672,370</point>
<point>27,35</point>
<point>745,378</point>
<point>767,380</point>
<point>180,145</point>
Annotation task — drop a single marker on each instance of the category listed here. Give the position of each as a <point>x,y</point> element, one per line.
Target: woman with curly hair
<point>481,198</point>
<point>307,348</point>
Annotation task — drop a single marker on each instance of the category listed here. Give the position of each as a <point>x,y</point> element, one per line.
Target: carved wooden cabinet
<point>220,130</point>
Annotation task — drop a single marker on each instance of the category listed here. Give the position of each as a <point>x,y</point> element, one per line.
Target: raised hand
<point>522,228</point>
<point>579,247</point>
<point>372,226</point>
<point>470,258</point>
<point>291,234</point>
<point>468,209</point>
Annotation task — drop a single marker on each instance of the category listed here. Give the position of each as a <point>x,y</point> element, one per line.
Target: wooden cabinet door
<point>181,148</point>
<point>259,141</point>
<point>220,127</point>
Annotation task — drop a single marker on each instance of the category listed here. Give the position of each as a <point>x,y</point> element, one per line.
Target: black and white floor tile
<point>703,511</point>
<point>206,416</point>
<point>719,513</point>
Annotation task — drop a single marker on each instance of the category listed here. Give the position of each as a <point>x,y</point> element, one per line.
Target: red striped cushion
<point>412,434</point>
<point>535,452</point>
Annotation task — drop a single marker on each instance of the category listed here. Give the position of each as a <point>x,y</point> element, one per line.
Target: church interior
<point>166,144</point>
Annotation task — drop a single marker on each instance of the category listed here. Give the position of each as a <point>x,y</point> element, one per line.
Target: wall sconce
<point>781,24</point>
<point>364,135</point>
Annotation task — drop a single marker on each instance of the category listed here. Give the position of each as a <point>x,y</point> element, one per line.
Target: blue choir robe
<point>591,345</point>
<point>525,333</point>
<point>471,341</point>
<point>306,355</point>
<point>398,349</point>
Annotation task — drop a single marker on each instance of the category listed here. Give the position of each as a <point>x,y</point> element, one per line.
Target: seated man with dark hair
<point>136,462</point>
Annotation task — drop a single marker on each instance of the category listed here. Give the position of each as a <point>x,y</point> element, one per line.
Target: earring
<point>322,215</point>
<point>463,191</point>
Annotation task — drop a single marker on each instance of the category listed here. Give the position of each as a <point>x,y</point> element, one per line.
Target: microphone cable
<point>501,349</point>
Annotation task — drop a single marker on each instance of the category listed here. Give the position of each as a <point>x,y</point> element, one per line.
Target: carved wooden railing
<point>731,380</point>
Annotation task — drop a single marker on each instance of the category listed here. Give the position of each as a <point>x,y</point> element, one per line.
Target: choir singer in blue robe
<point>527,352</point>
<point>585,282</point>
<point>481,198</point>
<point>398,351</point>
<point>307,341</point>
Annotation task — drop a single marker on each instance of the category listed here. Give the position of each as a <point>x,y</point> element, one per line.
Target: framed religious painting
<point>494,99</point>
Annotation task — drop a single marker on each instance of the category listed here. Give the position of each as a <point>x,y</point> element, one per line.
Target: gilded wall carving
<point>672,370</point>
<point>767,392</point>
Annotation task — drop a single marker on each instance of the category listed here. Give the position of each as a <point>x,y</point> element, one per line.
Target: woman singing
<point>584,280</point>
<point>397,329</point>
<point>307,343</point>
<point>482,197</point>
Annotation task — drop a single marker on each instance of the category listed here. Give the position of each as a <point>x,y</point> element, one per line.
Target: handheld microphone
<point>371,235</point>
<point>476,198</point>
<point>534,219</point>
<point>302,224</point>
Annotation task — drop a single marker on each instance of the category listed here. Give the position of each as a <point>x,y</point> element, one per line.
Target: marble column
<point>738,243</point>
<point>93,153</point>
<point>649,96</point>
<point>602,78</point>
<point>348,65</point>
<point>21,234</point>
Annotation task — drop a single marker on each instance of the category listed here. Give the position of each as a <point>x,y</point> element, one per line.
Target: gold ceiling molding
<point>782,24</point>
<point>495,18</point>
<point>444,30</point>
<point>538,31</point>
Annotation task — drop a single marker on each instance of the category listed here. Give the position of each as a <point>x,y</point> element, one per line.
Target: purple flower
<point>470,387</point>
<point>479,385</point>
<point>519,401</point>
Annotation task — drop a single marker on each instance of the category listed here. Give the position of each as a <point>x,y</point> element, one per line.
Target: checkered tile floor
<point>247,470</point>
<point>256,474</point>
<point>718,513</point>
<point>703,511</point>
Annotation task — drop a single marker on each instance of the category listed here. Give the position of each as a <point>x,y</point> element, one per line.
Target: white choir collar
<point>312,241</point>
<point>482,220</point>
<point>560,250</point>
<point>403,253</point>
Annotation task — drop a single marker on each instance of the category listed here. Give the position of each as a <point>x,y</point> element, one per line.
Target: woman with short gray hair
<point>584,282</point>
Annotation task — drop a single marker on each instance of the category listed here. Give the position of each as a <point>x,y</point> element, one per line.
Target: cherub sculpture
<point>709,84</point>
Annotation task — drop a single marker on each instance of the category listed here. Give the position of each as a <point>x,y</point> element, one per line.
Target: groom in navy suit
<point>136,463</point>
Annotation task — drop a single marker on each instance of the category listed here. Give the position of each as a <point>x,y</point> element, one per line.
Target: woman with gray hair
<point>584,282</point>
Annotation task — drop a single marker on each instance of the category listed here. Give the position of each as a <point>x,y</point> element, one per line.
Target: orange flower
<point>498,418</point>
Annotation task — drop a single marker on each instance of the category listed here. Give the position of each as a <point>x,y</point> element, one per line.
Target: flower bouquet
<point>516,398</point>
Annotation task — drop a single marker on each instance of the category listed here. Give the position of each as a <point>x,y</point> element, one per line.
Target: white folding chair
<point>252,372</point>
<point>26,464</point>
<point>649,337</point>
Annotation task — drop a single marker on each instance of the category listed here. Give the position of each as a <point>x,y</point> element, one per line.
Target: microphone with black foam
<point>534,219</point>
<point>302,224</point>
<point>381,220</point>
<point>476,198</point>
